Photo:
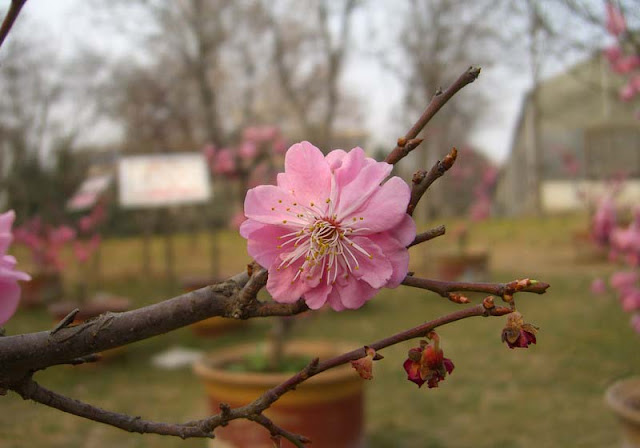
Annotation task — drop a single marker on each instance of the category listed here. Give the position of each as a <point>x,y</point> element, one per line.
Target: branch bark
<point>10,18</point>
<point>439,100</point>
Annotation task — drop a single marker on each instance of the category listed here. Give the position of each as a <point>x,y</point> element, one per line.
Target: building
<point>582,137</point>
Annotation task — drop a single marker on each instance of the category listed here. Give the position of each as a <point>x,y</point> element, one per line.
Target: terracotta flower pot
<point>214,325</point>
<point>623,397</point>
<point>327,408</point>
<point>470,266</point>
<point>91,309</point>
<point>44,287</point>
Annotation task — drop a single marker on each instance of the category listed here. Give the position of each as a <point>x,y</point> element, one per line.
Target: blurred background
<point>131,130</point>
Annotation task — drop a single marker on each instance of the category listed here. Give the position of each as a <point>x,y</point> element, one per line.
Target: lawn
<point>546,396</point>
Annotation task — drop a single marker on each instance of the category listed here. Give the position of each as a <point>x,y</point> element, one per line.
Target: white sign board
<point>162,180</point>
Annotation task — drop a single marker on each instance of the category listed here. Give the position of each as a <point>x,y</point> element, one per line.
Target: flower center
<point>326,246</point>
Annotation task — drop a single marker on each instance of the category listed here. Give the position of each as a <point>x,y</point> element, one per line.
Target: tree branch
<point>10,18</point>
<point>439,100</point>
<point>422,181</point>
<point>497,289</point>
<point>33,351</point>
<point>428,235</point>
<point>27,388</point>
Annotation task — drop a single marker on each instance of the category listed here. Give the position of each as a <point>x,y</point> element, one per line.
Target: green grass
<point>546,396</point>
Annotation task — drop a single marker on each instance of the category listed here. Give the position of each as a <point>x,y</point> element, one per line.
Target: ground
<point>548,395</point>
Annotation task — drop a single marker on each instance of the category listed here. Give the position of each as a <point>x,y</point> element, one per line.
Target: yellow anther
<point>312,204</point>
<point>284,221</point>
<point>328,200</point>
<point>279,201</point>
<point>273,209</point>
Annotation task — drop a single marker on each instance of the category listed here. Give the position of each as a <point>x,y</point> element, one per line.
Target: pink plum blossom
<point>248,150</point>
<point>604,221</point>
<point>635,323</point>
<point>612,53</point>
<point>329,231</point>
<point>630,299</point>
<point>224,163</point>
<point>9,277</point>
<point>616,24</point>
<point>236,220</point>
<point>623,280</point>
<point>598,286</point>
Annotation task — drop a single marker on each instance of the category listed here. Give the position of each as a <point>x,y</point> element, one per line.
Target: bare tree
<point>308,56</point>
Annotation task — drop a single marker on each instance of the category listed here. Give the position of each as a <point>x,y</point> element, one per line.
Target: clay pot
<point>328,408</point>
<point>623,397</point>
<point>213,326</point>
<point>468,266</point>
<point>95,307</point>
<point>44,287</point>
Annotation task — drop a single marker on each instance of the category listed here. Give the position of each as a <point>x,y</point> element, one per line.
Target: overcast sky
<point>70,28</point>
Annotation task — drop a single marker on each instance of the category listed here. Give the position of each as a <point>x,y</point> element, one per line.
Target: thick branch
<point>422,181</point>
<point>428,235</point>
<point>439,100</point>
<point>10,18</point>
<point>33,351</point>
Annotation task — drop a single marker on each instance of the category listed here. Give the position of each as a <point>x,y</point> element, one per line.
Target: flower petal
<point>262,244</point>
<point>307,175</point>
<point>281,285</point>
<point>353,195</point>
<point>354,293</point>
<point>9,298</point>
<point>397,255</point>
<point>393,198</point>
<point>268,204</point>
<point>377,270</point>
<point>317,297</point>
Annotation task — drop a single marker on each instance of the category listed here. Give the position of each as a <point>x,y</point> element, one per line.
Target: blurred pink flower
<point>237,220</point>
<point>248,150</point>
<point>604,221</point>
<point>9,277</point>
<point>625,64</point>
<point>224,162</point>
<point>260,134</point>
<point>635,323</point>
<point>279,145</point>
<point>209,152</point>
<point>612,53</point>
<point>598,286</point>
<point>481,209</point>
<point>83,250</point>
<point>627,92</point>
<point>616,24</point>
<point>329,231</point>
<point>623,280</point>
<point>62,235</point>
<point>630,299</point>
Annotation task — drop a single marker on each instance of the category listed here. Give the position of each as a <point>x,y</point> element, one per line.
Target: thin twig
<point>10,18</point>
<point>422,181</point>
<point>66,321</point>
<point>439,100</point>
<point>428,235</point>
<point>497,289</point>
